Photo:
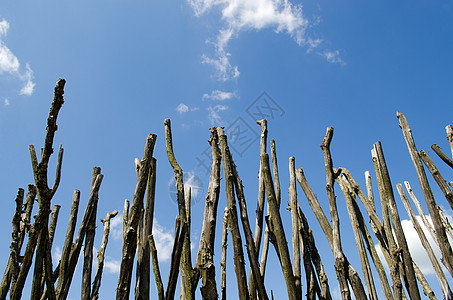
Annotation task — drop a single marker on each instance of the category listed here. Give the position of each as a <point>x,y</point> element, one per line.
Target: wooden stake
<point>63,287</point>
<point>353,211</point>
<point>437,176</point>
<point>449,130</point>
<point>437,269</point>
<point>224,253</point>
<point>259,205</point>
<point>251,250</point>
<point>239,266</point>
<point>442,156</point>
<point>277,230</point>
<point>89,243</point>
<point>156,270</point>
<point>186,260</point>
<point>340,265</point>
<point>353,277</point>
<point>101,253</point>
<point>130,242</point>
<point>295,225</point>
<point>352,184</point>
<point>441,236</point>
<point>205,263</point>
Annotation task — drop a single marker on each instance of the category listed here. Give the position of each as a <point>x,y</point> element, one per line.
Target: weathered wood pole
<point>65,282</point>
<point>143,282</point>
<point>437,269</point>
<point>89,243</point>
<point>340,265</point>
<point>441,236</point>
<point>311,256</point>
<point>277,230</point>
<point>393,259</point>
<point>449,130</point>
<point>239,263</point>
<point>260,204</point>
<point>442,155</point>
<point>224,253</point>
<point>45,194</point>
<point>251,250</point>
<point>130,241</point>
<point>101,253</point>
<point>205,263</point>
<point>365,233</point>
<point>187,277</point>
<point>353,211</point>
<point>437,176</point>
<point>156,270</point>
<point>265,249</point>
<point>295,222</point>
<point>353,277</point>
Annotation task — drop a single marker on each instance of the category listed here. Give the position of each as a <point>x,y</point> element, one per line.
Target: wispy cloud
<point>9,63</point>
<point>27,77</point>
<point>218,95</point>
<point>214,114</point>
<point>237,16</point>
<point>6,102</point>
<point>182,108</point>
<point>333,56</point>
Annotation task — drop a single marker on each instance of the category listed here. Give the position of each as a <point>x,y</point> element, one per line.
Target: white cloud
<point>29,84</point>
<point>237,16</point>
<point>112,265</point>
<point>116,228</point>
<point>214,116</point>
<point>56,253</point>
<point>162,237</point>
<point>332,56</point>
<point>164,241</point>
<point>218,95</point>
<point>192,181</point>
<point>9,64</point>
<point>416,249</point>
<point>6,102</point>
<point>182,108</point>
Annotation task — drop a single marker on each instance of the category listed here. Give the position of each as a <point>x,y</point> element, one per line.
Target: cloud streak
<point>280,15</point>
<point>10,64</point>
<point>218,95</point>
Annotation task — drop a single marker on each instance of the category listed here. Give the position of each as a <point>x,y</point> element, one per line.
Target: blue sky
<point>128,66</point>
